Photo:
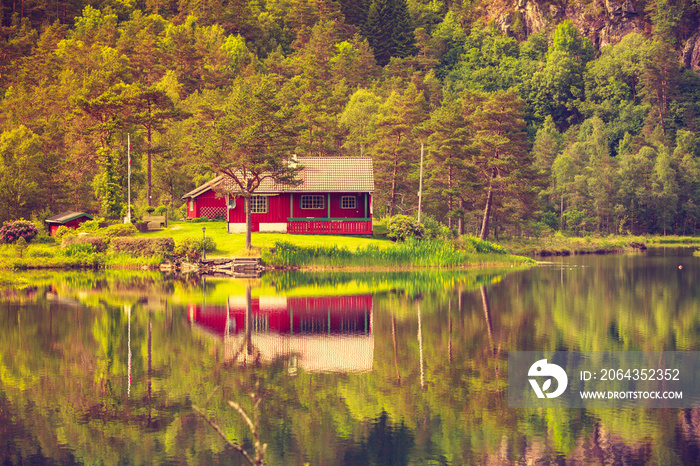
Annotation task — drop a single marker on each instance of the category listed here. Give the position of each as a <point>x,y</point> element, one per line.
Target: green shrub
<point>199,219</point>
<point>120,229</point>
<point>550,219</point>
<point>191,248</point>
<point>434,229</point>
<point>144,246</point>
<point>161,210</point>
<point>474,244</point>
<point>13,230</point>
<point>401,227</point>
<point>91,226</point>
<point>63,231</point>
<point>218,218</point>
<point>150,209</point>
<point>100,244</point>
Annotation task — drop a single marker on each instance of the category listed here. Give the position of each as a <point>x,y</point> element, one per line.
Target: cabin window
<point>258,205</point>
<point>312,201</point>
<point>191,204</point>
<point>348,202</point>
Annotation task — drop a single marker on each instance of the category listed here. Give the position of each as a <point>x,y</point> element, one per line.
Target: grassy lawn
<point>233,245</point>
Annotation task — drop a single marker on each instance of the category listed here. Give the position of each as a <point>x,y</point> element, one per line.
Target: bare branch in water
<point>218,430</point>
<point>252,425</point>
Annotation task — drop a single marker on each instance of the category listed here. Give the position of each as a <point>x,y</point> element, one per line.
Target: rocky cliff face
<point>691,53</point>
<point>603,21</point>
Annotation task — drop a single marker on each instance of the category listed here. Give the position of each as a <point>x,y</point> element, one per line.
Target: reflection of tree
<point>460,417</point>
<point>396,358</point>
<point>385,444</point>
<point>69,401</point>
<point>485,305</point>
<point>246,349</point>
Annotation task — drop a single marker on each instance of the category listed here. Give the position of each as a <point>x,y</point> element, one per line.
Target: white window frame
<point>310,201</point>
<point>348,198</point>
<point>258,203</point>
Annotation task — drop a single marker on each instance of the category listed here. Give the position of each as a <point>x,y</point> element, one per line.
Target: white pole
<point>420,183</point>
<point>128,313</point>
<point>128,206</point>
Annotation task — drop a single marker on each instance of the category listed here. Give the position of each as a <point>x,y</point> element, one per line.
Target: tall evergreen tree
<point>389,30</point>
<point>452,174</point>
<point>502,159</point>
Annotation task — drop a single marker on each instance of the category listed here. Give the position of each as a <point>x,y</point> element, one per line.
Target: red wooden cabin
<point>67,219</point>
<point>334,197</point>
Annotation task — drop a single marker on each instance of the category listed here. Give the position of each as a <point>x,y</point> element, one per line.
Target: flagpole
<point>128,207</point>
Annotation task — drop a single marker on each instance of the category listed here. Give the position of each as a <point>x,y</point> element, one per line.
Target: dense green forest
<point>541,131</point>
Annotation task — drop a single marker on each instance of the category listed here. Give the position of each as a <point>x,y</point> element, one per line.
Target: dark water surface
<point>389,368</point>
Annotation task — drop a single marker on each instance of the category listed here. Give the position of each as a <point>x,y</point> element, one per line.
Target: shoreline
<point>190,267</point>
<point>521,252</point>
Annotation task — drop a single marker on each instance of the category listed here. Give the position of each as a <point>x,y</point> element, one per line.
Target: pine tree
<point>389,30</point>
<point>452,174</point>
<point>502,159</point>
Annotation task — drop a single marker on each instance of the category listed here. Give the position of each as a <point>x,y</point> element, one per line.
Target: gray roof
<point>66,217</point>
<point>319,174</point>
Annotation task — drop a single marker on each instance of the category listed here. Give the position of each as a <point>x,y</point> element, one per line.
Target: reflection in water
<point>487,315</point>
<point>315,333</point>
<point>388,368</point>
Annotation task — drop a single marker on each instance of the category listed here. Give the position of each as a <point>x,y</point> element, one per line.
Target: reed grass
<point>411,253</point>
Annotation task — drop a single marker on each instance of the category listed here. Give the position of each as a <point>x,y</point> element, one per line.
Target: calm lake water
<point>385,368</point>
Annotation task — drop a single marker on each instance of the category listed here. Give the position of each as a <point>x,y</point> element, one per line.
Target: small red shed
<point>334,197</point>
<point>204,201</point>
<point>67,219</point>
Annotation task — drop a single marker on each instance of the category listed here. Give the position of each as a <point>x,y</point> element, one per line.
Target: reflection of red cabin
<point>334,197</point>
<point>328,334</point>
<point>313,315</point>
<point>67,219</point>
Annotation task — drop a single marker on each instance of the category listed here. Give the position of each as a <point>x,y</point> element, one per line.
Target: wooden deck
<point>239,267</point>
<point>329,226</point>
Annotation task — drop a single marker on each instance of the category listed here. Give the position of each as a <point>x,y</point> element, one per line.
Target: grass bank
<point>673,240</point>
<point>52,256</point>
<point>559,245</point>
